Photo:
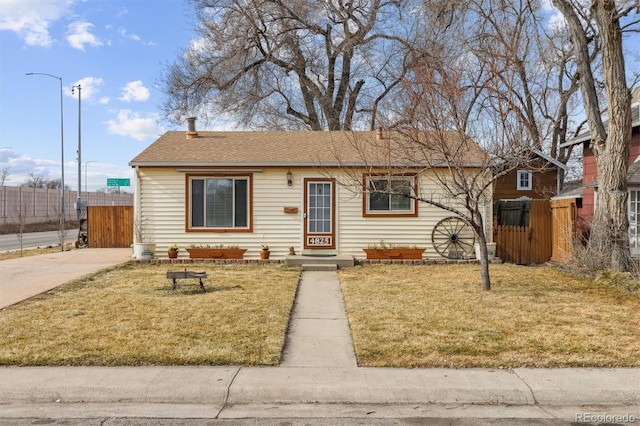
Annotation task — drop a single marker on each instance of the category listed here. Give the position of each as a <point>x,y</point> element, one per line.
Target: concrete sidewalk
<point>25,277</point>
<point>291,392</point>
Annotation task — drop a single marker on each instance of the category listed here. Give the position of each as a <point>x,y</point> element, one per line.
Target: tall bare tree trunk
<point>612,156</point>
<point>609,231</point>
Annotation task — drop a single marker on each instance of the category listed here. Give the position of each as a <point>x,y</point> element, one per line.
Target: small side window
<point>525,179</point>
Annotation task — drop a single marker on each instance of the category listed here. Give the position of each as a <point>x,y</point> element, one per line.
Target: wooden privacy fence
<point>524,245</point>
<point>110,226</point>
<point>563,229</point>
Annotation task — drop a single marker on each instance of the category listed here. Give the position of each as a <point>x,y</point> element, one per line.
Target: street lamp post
<point>62,213</point>
<point>79,202</point>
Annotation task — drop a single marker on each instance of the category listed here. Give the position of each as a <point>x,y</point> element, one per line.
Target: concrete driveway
<point>26,277</point>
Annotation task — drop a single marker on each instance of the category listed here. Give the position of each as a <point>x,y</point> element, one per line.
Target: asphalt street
<point>35,239</point>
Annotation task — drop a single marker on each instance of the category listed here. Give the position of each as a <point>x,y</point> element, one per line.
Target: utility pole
<point>62,200</point>
<point>79,201</point>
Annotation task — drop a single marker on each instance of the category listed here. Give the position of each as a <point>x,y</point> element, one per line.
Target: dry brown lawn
<point>130,316</point>
<point>13,254</point>
<point>400,316</point>
<point>437,316</point>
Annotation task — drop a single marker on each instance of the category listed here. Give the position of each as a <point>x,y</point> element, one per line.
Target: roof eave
<point>587,137</point>
<point>292,164</point>
<point>550,159</point>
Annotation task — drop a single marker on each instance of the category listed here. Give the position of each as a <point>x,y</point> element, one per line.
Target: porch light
<point>289,178</point>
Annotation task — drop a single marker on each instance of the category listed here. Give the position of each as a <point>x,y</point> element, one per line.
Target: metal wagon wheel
<point>453,238</point>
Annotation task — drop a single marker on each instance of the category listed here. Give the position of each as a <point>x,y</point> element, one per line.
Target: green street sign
<point>118,182</point>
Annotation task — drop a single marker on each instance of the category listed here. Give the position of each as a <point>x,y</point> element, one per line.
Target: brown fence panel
<point>540,224</point>
<point>512,244</point>
<point>524,245</point>
<point>564,214</point>
<point>110,226</point>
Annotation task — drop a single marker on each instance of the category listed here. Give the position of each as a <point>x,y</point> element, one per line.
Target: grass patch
<point>437,316</point>
<point>14,254</point>
<point>130,316</point>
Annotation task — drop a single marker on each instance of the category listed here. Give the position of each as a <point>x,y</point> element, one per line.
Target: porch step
<point>338,261</point>
<point>319,267</point>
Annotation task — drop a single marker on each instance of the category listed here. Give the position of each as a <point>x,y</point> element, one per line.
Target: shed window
<point>525,179</point>
<point>219,203</point>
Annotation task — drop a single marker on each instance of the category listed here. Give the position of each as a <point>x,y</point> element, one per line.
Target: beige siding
<point>357,232</point>
<point>162,203</point>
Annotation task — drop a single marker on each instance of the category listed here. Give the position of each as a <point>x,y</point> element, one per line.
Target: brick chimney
<point>191,129</point>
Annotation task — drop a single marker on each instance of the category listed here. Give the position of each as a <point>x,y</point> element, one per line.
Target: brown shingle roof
<point>285,148</point>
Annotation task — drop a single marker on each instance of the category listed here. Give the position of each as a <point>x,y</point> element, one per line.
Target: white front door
<point>319,213</point>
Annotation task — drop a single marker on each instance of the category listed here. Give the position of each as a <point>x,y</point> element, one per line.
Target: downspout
<point>138,201</point>
<point>484,218</point>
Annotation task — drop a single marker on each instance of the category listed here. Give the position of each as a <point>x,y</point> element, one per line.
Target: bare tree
<point>55,184</point>
<point>291,64</point>
<point>21,214</point>
<point>35,181</point>
<point>443,114</point>
<point>62,230</point>
<point>4,175</point>
<point>519,63</point>
<point>601,27</point>
<point>482,73</point>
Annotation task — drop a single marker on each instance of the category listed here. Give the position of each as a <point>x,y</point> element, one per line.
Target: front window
<point>524,180</point>
<point>390,196</point>
<point>219,203</point>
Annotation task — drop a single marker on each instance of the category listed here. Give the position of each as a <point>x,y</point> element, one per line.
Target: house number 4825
<point>319,241</point>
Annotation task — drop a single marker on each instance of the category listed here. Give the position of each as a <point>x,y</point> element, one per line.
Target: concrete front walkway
<point>319,334</point>
<point>26,277</point>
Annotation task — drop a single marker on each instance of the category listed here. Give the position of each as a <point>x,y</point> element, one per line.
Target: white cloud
<point>135,37</point>
<point>195,48</point>
<point>133,124</point>
<point>104,100</point>
<point>79,35</point>
<point>125,34</point>
<point>557,23</point>
<point>547,5</point>
<point>134,91</point>
<point>30,19</point>
<point>21,165</point>
<point>90,87</point>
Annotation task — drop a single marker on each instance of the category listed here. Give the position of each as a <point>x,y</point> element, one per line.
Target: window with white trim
<point>219,203</point>
<point>525,179</point>
<point>390,196</point>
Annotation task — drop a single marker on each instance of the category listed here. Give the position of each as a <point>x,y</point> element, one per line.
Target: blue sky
<point>116,50</point>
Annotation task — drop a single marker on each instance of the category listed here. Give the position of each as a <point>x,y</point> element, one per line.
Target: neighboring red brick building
<point>590,177</point>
